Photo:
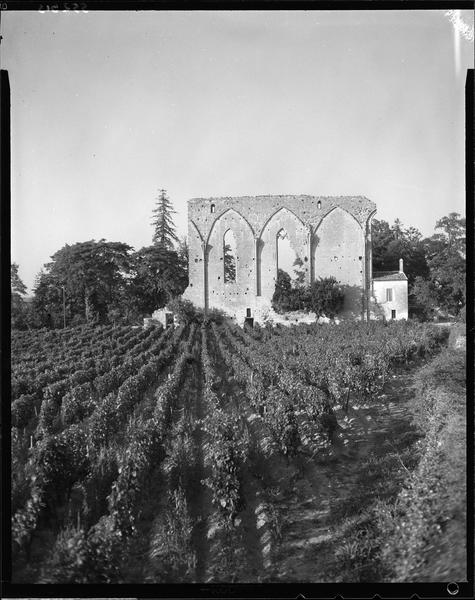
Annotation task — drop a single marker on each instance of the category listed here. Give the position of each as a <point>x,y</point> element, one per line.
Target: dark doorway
<point>393,314</point>
<point>248,321</point>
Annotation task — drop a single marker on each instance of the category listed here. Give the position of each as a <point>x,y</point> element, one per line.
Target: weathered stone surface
<point>331,235</point>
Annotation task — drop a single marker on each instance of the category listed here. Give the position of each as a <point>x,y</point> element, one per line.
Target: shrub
<point>216,315</point>
<point>170,548</point>
<point>77,404</point>
<point>323,297</point>
<point>67,560</point>
<point>284,297</point>
<point>105,547</point>
<point>184,309</point>
<point>23,409</point>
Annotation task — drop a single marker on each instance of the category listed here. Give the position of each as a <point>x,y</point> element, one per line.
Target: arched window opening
<point>229,257</point>
<point>287,259</point>
<point>213,208</point>
<point>319,205</point>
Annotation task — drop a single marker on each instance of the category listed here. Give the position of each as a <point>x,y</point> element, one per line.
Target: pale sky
<point>109,107</point>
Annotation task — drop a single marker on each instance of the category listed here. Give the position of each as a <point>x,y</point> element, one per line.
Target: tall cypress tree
<point>164,229</point>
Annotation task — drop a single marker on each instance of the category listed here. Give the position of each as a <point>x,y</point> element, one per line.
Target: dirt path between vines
<point>239,551</point>
<point>318,510</point>
<point>200,502</point>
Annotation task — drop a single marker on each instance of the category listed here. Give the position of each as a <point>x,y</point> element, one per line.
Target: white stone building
<point>390,294</point>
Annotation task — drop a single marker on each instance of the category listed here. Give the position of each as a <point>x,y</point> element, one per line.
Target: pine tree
<point>18,307</point>
<point>397,229</point>
<point>17,285</point>
<point>164,229</point>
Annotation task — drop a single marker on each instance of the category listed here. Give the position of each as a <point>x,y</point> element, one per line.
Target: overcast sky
<point>109,107</point>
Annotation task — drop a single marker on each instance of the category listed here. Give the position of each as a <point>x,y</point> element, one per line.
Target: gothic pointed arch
<point>243,263</point>
<point>296,231</point>
<point>226,217</point>
<point>280,212</point>
<point>196,230</point>
<point>339,251</point>
<point>328,213</point>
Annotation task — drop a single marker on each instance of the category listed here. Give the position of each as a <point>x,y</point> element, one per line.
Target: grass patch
<point>405,517</point>
<point>422,532</point>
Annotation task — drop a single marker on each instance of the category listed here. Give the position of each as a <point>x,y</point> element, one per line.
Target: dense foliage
<point>324,296</point>
<point>435,266</point>
<point>99,282</point>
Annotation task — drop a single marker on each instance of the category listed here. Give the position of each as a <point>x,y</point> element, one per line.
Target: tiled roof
<point>388,276</point>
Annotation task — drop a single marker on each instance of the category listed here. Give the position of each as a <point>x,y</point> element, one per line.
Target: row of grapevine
<point>348,358</point>
<point>37,383</point>
<point>87,381</point>
<point>31,380</point>
<point>171,550</point>
<point>227,443</point>
<point>98,429</point>
<point>106,542</point>
<point>57,341</point>
<point>124,389</point>
<point>105,342</point>
<point>158,443</point>
<point>294,411</point>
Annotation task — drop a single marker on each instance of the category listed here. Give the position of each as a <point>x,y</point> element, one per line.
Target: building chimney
<point>401,270</point>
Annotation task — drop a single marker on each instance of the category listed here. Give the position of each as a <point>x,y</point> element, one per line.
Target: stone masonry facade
<point>331,235</point>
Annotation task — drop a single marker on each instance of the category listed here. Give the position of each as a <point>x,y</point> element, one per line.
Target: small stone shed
<point>390,293</point>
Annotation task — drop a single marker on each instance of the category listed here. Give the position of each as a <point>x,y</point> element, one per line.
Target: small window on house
<point>393,314</point>
<point>213,208</point>
<point>319,205</point>
<point>248,313</point>
<point>389,295</point>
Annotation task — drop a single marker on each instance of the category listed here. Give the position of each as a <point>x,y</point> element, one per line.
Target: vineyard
<point>180,454</point>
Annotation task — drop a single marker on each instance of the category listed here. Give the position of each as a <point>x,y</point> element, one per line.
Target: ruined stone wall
<point>339,251</point>
<point>297,232</point>
<point>329,234</point>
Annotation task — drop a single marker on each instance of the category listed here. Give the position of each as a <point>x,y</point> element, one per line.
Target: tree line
<point>100,281</point>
